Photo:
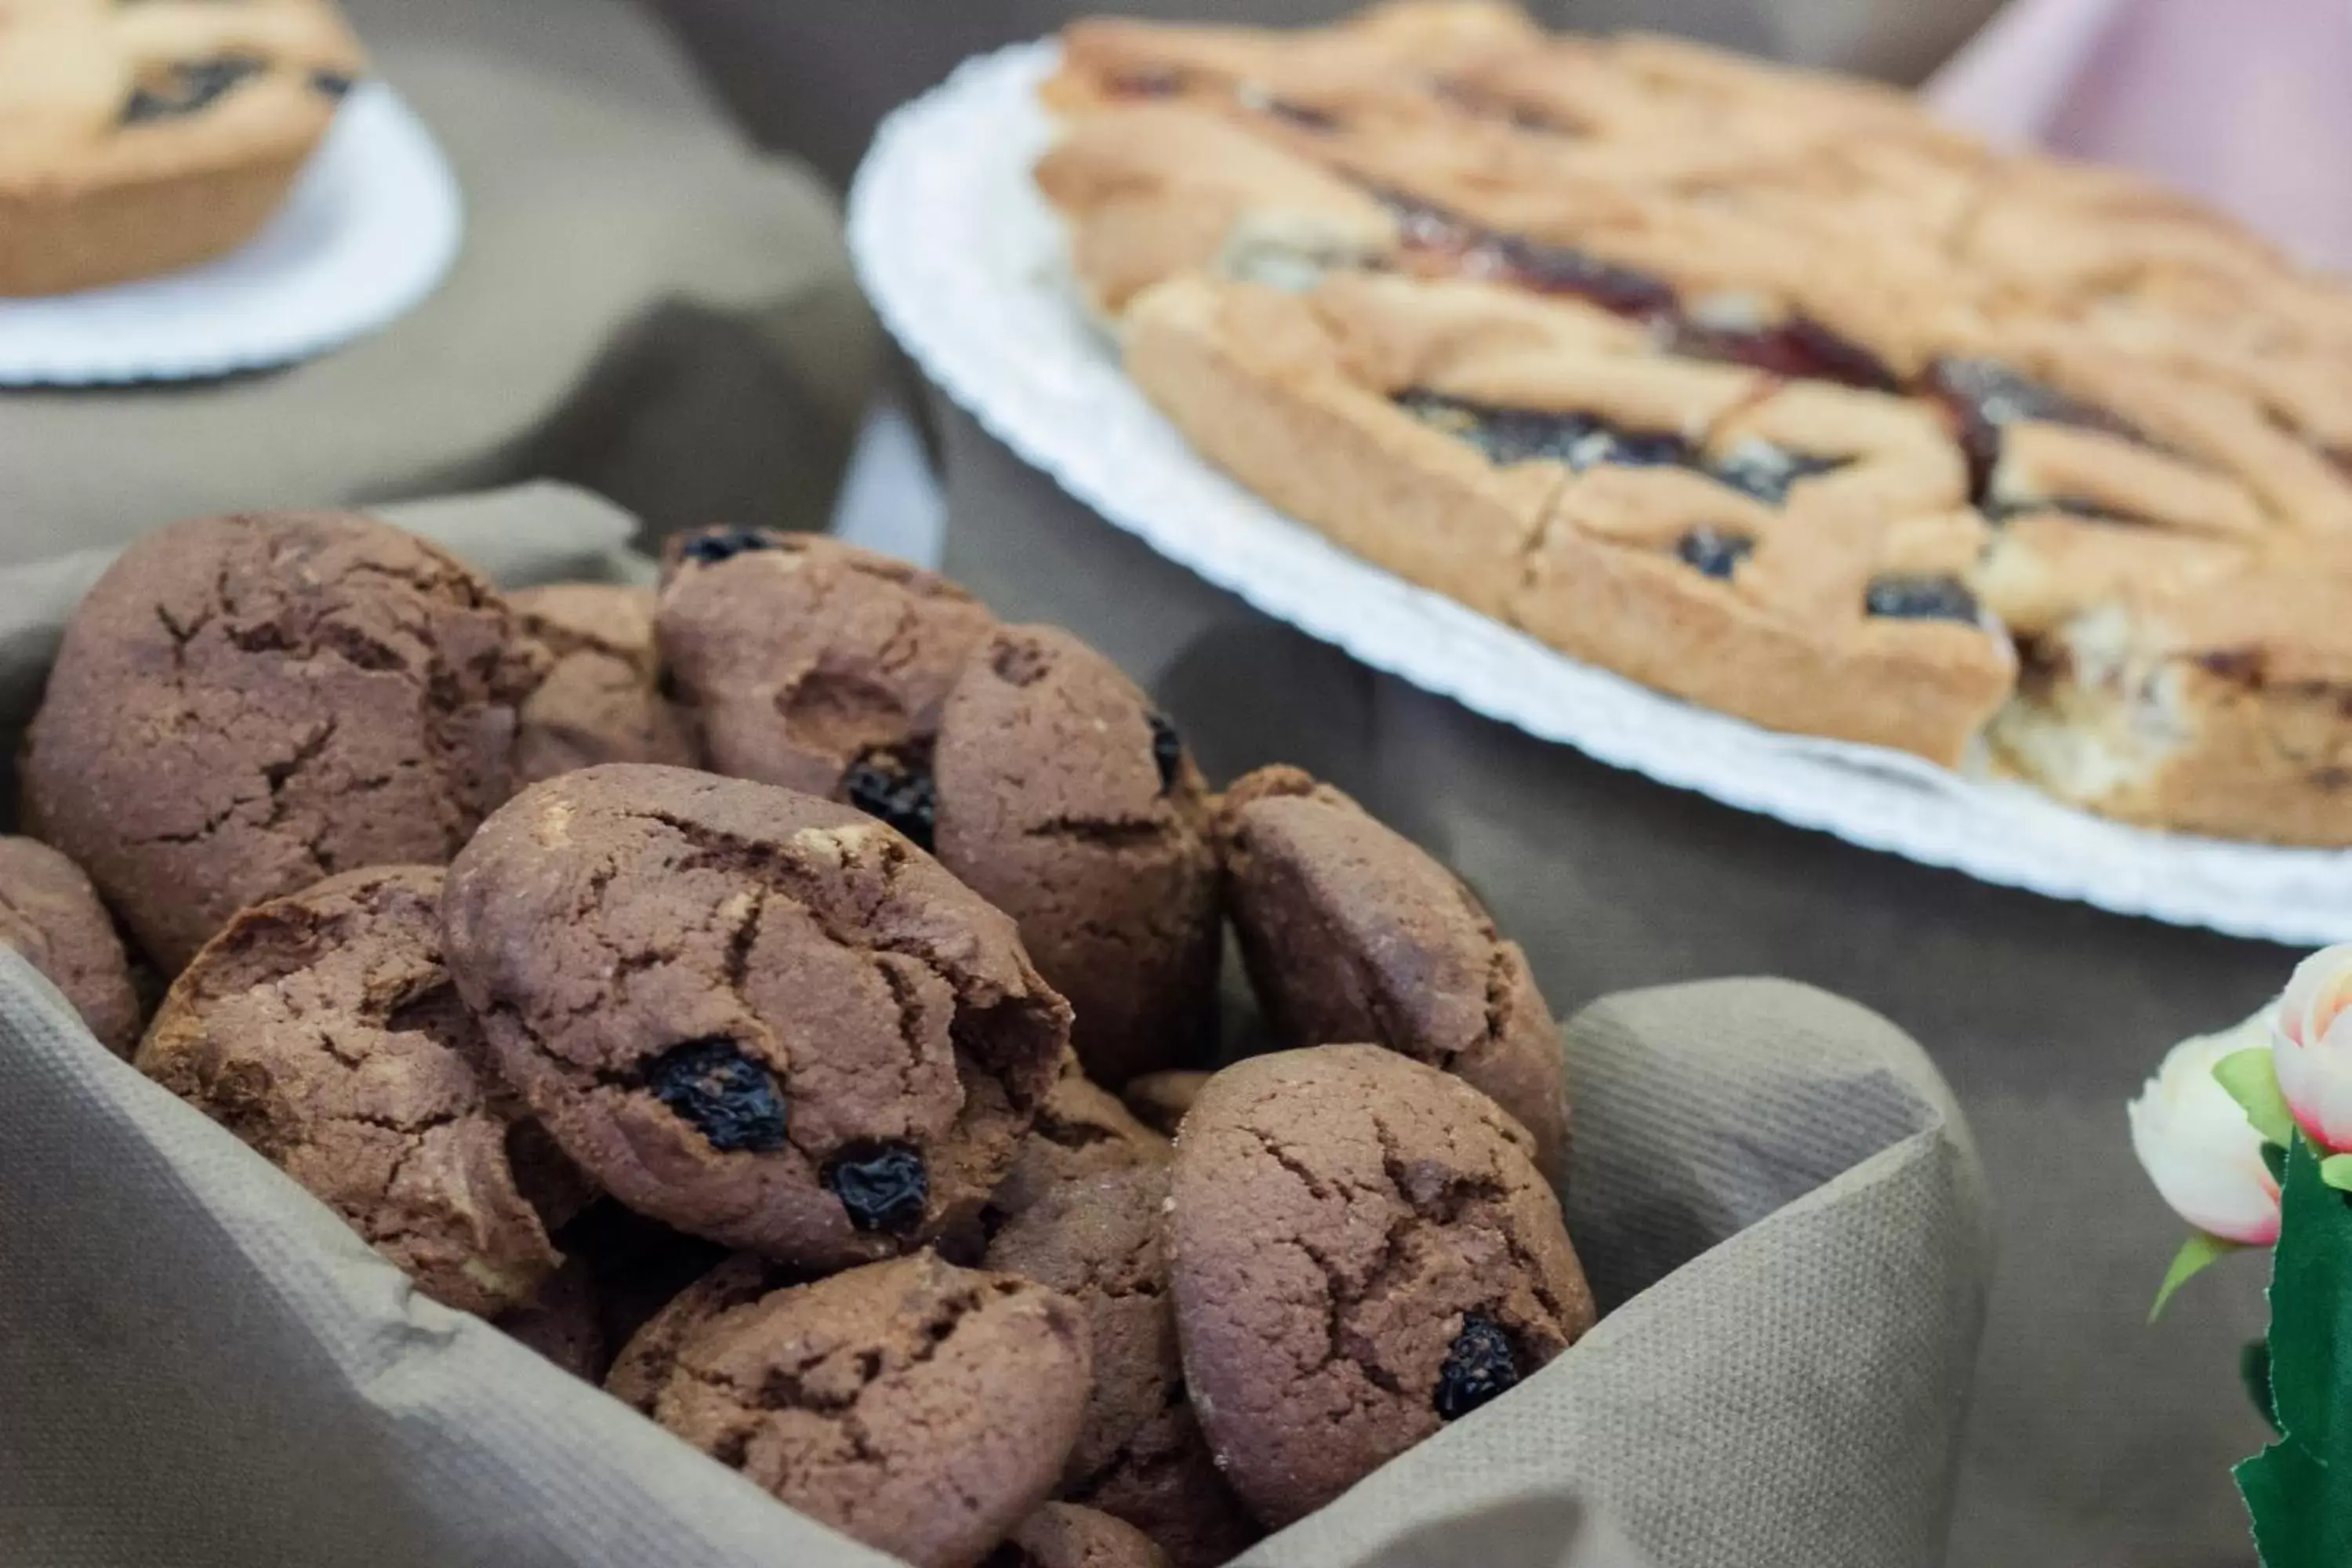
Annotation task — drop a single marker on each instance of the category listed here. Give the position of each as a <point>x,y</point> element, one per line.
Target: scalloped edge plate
<point>965,263</point>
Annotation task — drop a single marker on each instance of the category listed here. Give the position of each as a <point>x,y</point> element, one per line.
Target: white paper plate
<point>371,227</point>
<point>964,262</point>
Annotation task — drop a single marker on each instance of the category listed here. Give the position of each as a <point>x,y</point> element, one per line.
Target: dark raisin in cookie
<point>922,1409</point>
<point>756,1015</point>
<point>1351,932</point>
<point>1360,1248</point>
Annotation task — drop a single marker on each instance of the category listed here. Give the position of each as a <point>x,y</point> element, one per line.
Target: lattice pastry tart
<point>1759,387</point>
<point>140,136</point>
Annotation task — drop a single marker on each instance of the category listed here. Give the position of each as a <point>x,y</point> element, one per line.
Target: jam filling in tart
<point>189,87</point>
<point>1582,441</point>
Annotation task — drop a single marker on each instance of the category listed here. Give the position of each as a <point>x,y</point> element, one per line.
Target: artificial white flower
<point>2196,1145</point>
<point>2312,1047</point>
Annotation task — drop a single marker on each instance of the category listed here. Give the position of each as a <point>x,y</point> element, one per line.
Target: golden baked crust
<point>1687,524</point>
<point>139,138</point>
<point>2089,401</point>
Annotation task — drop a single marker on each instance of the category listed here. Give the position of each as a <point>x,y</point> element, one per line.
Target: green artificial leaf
<point>2198,1254</point>
<point>2255,1371</point>
<point>2299,1490</point>
<point>2274,1162</point>
<point>2336,1171</point>
<point>2252,1078</point>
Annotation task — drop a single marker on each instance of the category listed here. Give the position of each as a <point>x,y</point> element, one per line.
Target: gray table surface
<point>2097,1441</point>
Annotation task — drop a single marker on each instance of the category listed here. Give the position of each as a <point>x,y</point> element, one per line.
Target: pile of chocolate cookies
<point>787,999</point>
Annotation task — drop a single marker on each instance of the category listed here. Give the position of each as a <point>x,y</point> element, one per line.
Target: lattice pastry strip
<point>1625,504</point>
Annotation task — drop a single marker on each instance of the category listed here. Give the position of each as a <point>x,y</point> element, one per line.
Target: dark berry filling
<point>189,87</point>
<point>1715,554</point>
<point>1766,471</point>
<point>1796,350</point>
<point>1557,270</point>
<point>1480,1367</point>
<point>730,1100</point>
<point>1529,263</point>
<point>898,787</point>
<point>1299,115</point>
<point>1507,435</point>
<point>332,84</point>
<point>1486,105</point>
<point>1160,83</point>
<point>884,1186</point>
<point>713,545</point>
<point>1921,598</point>
<point>1981,395</point>
<point>1167,750</point>
<point>2072,506</point>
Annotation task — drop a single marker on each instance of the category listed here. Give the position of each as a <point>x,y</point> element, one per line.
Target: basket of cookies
<point>554,1073</point>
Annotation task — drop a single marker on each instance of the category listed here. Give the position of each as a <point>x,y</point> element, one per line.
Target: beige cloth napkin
<point>199,1365</point>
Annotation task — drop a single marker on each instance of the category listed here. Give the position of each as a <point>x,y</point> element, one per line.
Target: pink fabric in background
<point>2246,103</point>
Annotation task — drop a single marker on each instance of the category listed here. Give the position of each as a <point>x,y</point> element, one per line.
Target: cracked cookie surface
<point>1062,1536</point>
<point>920,1408</point>
<point>1141,1456</point>
<point>322,1028</point>
<point>795,656</point>
<point>1342,1220</point>
<point>245,705</point>
<point>51,915</point>
<point>759,1016</point>
<point>1069,802</point>
<point>649,1358</point>
<point>601,700</point>
<point>1351,932</point>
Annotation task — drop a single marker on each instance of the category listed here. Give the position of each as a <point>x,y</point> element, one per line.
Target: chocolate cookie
<point>1141,1456</point>
<point>1160,1099</point>
<point>50,914</point>
<point>1350,932</point>
<point>1069,802</point>
<point>322,1028</point>
<point>1361,1249</point>
<point>799,658</point>
<point>922,1409</point>
<point>245,705</point>
<point>601,700</point>
<point>563,1322</point>
<point>647,1362</point>
<point>1079,1131</point>
<point>759,1016</point>
<point>1061,1536</point>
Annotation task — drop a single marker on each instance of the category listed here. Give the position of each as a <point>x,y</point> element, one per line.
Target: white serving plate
<point>964,262</point>
<point>370,227</point>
